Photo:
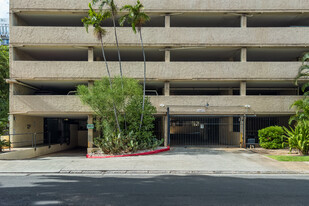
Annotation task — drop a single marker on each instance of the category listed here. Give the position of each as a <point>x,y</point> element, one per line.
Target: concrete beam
<point>225,104</point>
<point>190,37</point>
<point>57,70</point>
<point>171,6</point>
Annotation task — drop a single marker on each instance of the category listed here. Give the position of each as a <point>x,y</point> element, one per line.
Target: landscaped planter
<point>128,155</point>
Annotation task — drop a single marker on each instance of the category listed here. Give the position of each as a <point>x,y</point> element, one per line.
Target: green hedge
<point>271,137</point>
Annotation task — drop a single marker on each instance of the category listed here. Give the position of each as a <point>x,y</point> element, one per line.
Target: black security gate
<point>204,130</point>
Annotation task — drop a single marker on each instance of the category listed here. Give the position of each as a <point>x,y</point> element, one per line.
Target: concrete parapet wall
<point>168,5</point>
<point>164,37</point>
<point>58,70</point>
<point>36,104</point>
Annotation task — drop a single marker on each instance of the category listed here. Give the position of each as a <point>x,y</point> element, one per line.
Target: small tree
<point>303,72</point>
<point>4,88</point>
<point>302,110</point>
<point>298,138</point>
<point>100,98</point>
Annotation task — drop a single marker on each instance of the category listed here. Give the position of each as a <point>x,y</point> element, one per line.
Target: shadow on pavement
<point>157,190</point>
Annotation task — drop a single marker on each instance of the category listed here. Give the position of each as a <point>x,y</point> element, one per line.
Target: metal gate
<point>204,130</point>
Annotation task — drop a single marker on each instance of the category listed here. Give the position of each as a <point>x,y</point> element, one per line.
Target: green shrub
<point>271,137</point>
<point>298,138</point>
<point>128,103</point>
<point>4,143</point>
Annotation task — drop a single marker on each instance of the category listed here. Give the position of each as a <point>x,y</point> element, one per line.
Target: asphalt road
<point>148,190</point>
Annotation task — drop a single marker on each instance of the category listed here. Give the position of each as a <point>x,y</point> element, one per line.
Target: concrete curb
<point>162,172</point>
<point>129,155</point>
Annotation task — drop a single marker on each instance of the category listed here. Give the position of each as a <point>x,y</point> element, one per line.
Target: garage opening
<point>204,130</point>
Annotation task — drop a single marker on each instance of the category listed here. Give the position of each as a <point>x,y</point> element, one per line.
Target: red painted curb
<point>127,155</point>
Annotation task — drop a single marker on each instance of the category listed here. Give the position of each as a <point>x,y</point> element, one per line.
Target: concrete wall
<point>157,70</point>
<point>31,152</point>
<point>52,104</point>
<point>74,134</point>
<point>21,90</point>
<point>82,139</point>
<point>168,5</point>
<point>295,36</point>
<point>226,134</point>
<point>178,104</point>
<point>27,125</point>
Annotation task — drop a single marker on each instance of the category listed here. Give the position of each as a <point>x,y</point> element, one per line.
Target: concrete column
<point>243,88</point>
<point>243,55</point>
<point>90,54</point>
<point>166,89</point>
<point>11,127</point>
<point>90,83</point>
<point>242,131</point>
<point>90,132</point>
<point>165,121</point>
<point>243,21</point>
<point>167,56</point>
<point>167,21</point>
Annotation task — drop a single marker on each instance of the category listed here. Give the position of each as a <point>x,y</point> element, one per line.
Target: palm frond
<point>305,86</point>
<point>305,57</point>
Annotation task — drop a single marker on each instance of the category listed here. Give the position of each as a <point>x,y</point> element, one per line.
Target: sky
<point>4,8</point>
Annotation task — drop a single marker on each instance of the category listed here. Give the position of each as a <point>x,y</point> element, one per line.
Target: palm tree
<point>136,18</point>
<point>95,19</point>
<point>112,10</point>
<point>303,71</point>
<point>302,110</point>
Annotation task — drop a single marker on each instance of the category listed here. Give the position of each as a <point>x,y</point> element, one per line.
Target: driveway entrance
<point>205,130</point>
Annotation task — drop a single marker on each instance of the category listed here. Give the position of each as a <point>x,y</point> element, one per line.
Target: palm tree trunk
<point>110,83</point>
<point>144,84</point>
<point>120,67</point>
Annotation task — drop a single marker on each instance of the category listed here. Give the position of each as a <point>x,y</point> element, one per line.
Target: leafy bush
<point>298,138</point>
<point>4,143</point>
<point>271,137</point>
<point>128,102</point>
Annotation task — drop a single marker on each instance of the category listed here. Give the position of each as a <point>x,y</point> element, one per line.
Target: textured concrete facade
<point>242,63</point>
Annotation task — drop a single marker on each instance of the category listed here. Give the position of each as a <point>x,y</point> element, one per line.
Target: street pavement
<point>180,160</point>
<point>114,190</point>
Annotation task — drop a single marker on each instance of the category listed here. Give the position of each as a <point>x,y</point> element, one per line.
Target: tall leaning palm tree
<point>113,11</point>
<point>136,18</point>
<point>303,72</point>
<point>95,19</point>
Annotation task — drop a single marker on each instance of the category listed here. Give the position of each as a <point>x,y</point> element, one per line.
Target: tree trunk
<point>120,66</point>
<point>144,84</point>
<point>110,83</point>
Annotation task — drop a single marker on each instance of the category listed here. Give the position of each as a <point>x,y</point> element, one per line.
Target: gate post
<point>243,131</point>
<point>167,128</point>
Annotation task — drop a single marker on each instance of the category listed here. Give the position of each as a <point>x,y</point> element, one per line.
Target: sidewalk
<point>178,161</point>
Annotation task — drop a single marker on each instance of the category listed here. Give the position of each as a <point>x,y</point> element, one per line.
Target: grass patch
<point>289,158</point>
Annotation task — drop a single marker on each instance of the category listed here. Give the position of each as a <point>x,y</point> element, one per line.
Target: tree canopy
<point>4,87</point>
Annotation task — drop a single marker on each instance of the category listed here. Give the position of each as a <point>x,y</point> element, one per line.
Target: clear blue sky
<point>4,8</point>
